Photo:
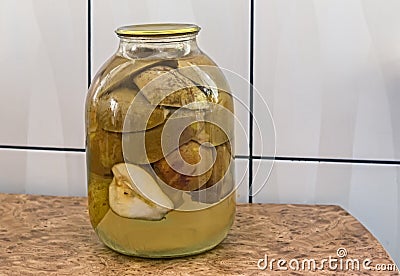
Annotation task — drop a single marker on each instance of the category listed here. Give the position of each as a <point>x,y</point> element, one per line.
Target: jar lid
<point>157,29</point>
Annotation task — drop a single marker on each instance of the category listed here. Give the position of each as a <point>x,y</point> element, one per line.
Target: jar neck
<point>168,47</point>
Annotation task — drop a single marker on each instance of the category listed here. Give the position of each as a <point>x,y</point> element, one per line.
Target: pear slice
<point>203,71</point>
<point>133,193</point>
<point>220,182</point>
<point>173,194</point>
<point>97,197</point>
<point>218,114</point>
<point>104,150</point>
<point>146,147</point>
<point>123,72</point>
<point>208,132</point>
<point>189,153</point>
<point>161,85</point>
<point>225,99</point>
<point>117,114</point>
<point>221,164</point>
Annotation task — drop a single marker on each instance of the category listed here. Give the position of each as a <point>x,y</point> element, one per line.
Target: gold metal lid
<point>157,29</point>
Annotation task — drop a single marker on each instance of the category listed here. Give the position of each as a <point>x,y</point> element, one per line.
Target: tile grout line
<point>251,65</point>
<point>243,157</point>
<point>89,42</point>
<point>41,148</point>
<point>328,160</point>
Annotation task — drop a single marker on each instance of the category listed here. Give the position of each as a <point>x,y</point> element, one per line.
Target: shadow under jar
<point>159,134</point>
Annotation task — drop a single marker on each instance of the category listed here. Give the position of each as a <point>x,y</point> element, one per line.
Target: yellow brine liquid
<point>179,233</point>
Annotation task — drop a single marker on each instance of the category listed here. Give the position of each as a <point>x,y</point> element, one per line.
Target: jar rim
<point>157,29</point>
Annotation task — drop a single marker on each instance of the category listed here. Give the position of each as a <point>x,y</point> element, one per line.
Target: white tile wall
<point>43,172</point>
<point>328,70</point>
<point>371,193</point>
<point>43,72</point>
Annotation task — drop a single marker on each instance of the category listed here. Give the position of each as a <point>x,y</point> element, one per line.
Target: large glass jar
<point>159,134</point>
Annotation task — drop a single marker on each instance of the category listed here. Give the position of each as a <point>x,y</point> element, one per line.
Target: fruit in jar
<point>133,193</point>
<point>192,179</point>
<point>117,115</point>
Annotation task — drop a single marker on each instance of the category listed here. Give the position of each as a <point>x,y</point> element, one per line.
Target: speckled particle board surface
<point>44,235</point>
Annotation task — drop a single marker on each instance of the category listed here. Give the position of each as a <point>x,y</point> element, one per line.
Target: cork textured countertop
<point>44,235</point>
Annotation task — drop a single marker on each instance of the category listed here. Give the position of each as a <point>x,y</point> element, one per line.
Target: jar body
<point>160,168</point>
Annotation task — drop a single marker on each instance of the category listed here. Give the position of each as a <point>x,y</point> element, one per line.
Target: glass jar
<point>159,134</point>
